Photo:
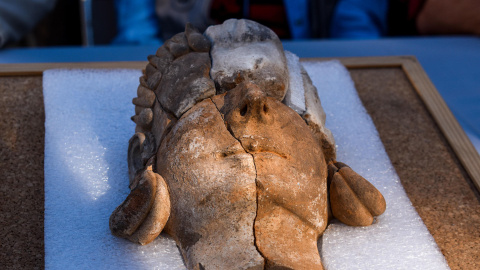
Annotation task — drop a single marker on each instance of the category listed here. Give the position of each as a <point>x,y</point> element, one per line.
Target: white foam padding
<point>398,239</point>
<point>295,96</point>
<point>87,130</point>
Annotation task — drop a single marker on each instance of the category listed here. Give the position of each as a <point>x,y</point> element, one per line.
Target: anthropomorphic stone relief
<point>235,176</point>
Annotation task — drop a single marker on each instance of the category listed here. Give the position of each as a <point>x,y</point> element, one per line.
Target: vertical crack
<point>256,212</point>
<point>256,176</point>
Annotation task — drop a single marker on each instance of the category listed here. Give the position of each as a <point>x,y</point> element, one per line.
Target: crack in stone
<point>170,115</point>
<point>169,126</point>
<point>256,177</point>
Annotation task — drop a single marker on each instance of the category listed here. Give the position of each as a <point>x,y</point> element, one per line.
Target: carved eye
<point>243,110</point>
<point>265,108</point>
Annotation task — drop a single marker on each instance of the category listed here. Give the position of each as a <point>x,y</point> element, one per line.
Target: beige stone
<point>212,187</point>
<point>291,176</point>
<point>158,215</point>
<point>128,216</point>
<point>354,201</point>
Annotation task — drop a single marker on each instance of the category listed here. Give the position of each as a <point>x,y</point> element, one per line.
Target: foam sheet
<point>86,137</point>
<point>398,239</point>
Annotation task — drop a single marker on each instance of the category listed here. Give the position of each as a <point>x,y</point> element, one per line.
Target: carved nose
<point>254,105</point>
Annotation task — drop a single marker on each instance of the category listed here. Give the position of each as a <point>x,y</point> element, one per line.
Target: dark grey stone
<point>178,45</point>
<point>164,59</point>
<point>186,82</point>
<point>196,40</point>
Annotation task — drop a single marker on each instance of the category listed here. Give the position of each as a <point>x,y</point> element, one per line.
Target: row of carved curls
<point>179,45</point>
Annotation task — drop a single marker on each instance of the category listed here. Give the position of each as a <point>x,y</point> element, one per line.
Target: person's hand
<point>449,17</point>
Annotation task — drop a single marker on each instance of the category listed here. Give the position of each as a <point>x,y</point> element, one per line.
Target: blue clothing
<point>297,16</point>
<point>359,19</point>
<point>138,24</point>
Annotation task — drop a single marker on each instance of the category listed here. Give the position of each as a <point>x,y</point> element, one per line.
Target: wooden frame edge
<point>446,121</point>
<point>456,136</point>
<point>36,69</point>
<point>435,104</point>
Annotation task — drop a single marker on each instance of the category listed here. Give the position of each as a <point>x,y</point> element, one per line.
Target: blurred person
<point>359,19</point>
<point>18,17</point>
<point>449,17</point>
<point>140,23</point>
<point>136,22</point>
<point>379,18</point>
<point>288,19</point>
<point>301,19</point>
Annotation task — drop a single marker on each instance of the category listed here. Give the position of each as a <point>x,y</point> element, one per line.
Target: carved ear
<point>128,216</point>
<point>353,200</point>
<point>154,223</point>
<point>144,213</point>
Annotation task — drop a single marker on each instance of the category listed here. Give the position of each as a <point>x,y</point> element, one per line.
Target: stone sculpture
<point>236,177</point>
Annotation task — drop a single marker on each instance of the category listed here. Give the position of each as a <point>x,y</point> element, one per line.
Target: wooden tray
<point>436,162</point>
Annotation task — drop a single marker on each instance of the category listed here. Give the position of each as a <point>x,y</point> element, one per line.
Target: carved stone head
<point>235,176</point>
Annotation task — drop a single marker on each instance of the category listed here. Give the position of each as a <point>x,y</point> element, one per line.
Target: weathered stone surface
<point>153,71</point>
<point>159,213</point>
<point>245,50</point>
<point>354,201</point>
<point>143,113</point>
<point>212,188</point>
<point>149,147</point>
<point>295,95</point>
<point>145,97</point>
<point>149,70</point>
<point>238,179</point>
<point>315,117</point>
<point>141,147</point>
<point>138,109</point>
<point>154,80</point>
<point>186,82</point>
<point>152,60</point>
<point>284,239</point>
<point>142,81</point>
<point>177,45</point>
<point>134,156</point>
<point>164,59</point>
<point>127,217</point>
<point>196,40</point>
<point>162,122</point>
<point>144,118</point>
<point>140,129</point>
<point>291,176</point>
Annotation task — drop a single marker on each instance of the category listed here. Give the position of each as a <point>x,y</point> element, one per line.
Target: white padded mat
<point>86,137</point>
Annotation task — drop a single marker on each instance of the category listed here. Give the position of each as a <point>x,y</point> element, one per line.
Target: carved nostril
<point>265,108</point>
<point>244,110</point>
